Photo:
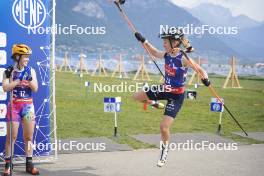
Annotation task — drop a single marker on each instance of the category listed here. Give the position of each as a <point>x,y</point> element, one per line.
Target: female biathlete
<point>172,90</point>
<point>21,80</point>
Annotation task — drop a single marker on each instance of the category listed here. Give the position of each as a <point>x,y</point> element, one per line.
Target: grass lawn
<point>80,114</point>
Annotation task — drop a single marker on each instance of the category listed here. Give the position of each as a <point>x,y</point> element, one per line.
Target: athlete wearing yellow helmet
<point>21,49</point>
<point>21,81</point>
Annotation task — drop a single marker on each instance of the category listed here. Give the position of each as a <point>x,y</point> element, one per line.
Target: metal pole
<point>220,123</point>
<point>54,76</point>
<point>11,131</point>
<point>115,128</point>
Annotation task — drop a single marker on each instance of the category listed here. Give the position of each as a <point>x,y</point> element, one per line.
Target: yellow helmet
<point>21,49</point>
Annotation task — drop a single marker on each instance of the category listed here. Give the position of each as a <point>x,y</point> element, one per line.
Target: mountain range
<point>147,16</point>
<point>217,15</point>
<point>247,42</point>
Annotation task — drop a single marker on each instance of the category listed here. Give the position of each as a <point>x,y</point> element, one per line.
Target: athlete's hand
<point>16,82</point>
<point>8,71</point>
<point>139,37</point>
<point>206,82</point>
<point>189,49</point>
<point>120,1</point>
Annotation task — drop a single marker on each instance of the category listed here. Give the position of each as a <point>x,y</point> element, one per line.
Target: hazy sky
<point>251,8</point>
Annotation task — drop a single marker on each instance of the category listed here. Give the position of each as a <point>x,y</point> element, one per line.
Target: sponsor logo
<point>29,13</point>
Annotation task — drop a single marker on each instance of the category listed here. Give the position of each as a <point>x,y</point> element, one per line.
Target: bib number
<point>22,93</point>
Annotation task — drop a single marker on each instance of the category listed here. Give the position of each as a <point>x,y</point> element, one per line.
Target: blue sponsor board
<point>112,104</point>
<point>216,105</point>
<point>19,19</point>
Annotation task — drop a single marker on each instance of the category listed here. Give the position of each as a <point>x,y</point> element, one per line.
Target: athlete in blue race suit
<point>176,66</point>
<point>21,80</point>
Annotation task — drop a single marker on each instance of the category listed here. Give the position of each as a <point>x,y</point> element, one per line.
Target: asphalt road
<point>246,161</point>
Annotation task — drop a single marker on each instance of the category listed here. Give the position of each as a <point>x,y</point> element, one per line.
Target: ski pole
<point>132,27</point>
<point>213,91</point>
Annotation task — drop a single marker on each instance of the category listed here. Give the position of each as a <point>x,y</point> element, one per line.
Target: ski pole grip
<point>118,6</point>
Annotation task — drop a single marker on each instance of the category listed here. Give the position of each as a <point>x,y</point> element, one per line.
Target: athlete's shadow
<point>67,172</point>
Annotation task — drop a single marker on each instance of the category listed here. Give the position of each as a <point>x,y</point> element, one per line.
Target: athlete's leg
<point>149,98</point>
<point>141,96</point>
<point>28,124</point>
<point>15,126</point>
<point>165,125</point>
<point>28,130</point>
<point>165,128</point>
<point>172,108</point>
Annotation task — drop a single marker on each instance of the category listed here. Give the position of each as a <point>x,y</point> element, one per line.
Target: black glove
<point>206,82</point>
<point>122,1</point>
<point>189,49</point>
<point>139,37</point>
<point>8,71</point>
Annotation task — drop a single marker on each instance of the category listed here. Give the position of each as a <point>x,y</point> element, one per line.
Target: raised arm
<point>197,68</point>
<point>153,50</point>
